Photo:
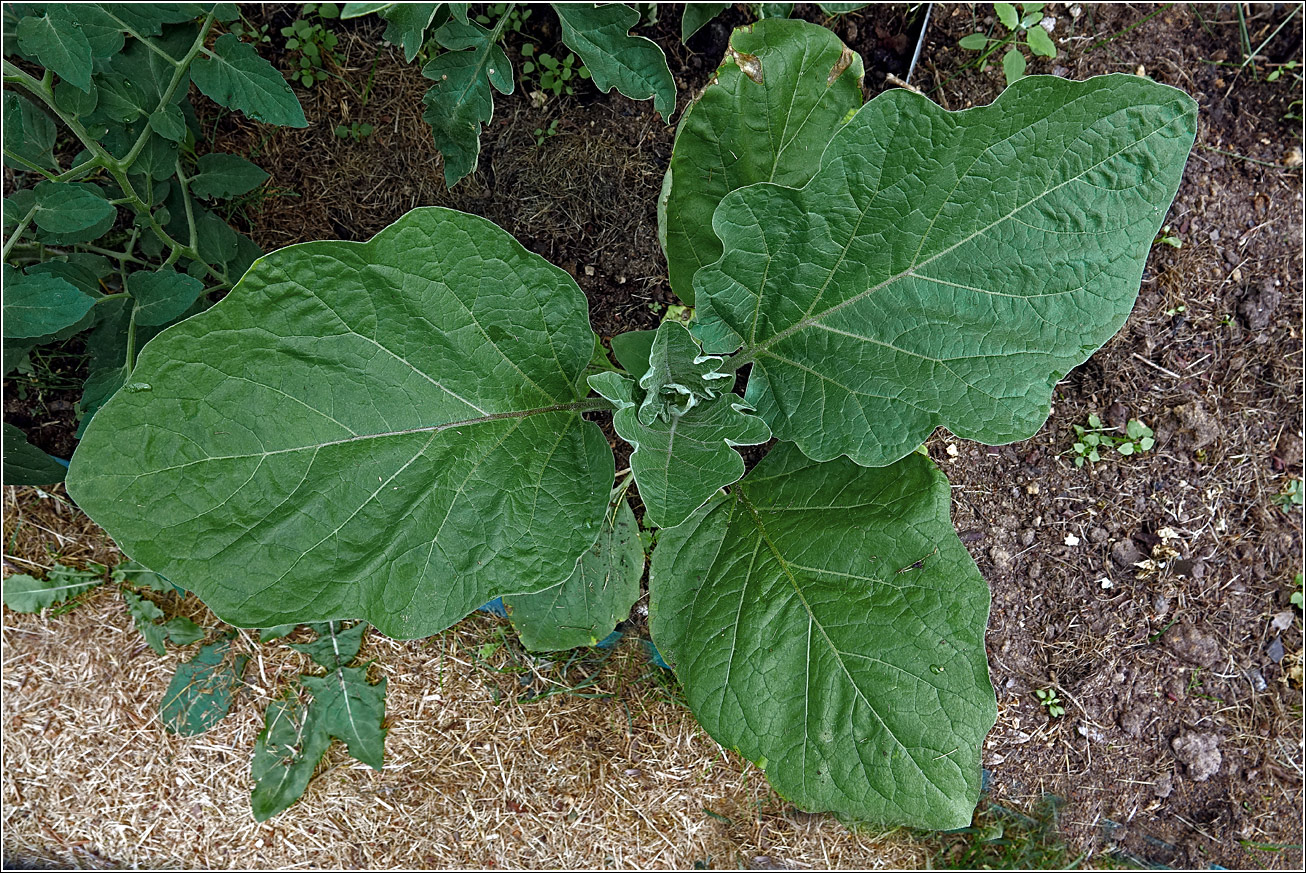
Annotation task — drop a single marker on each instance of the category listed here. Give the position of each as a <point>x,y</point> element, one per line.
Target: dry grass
<point>91,779</point>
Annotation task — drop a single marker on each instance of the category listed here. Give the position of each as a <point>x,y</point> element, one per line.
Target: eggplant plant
<point>402,429</point>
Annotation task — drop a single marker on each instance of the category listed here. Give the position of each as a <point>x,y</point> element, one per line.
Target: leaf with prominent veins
<point>386,430</point>
<point>826,622</point>
<point>944,267</point>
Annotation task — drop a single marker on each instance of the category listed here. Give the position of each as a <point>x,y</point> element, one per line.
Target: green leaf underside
<point>696,15</point>
<point>767,118</point>
<point>236,77</point>
<point>825,618</point>
<point>25,464</point>
<point>461,101</point>
<point>634,65</point>
<point>585,608</point>
<point>296,455</point>
<point>944,268</point>
<point>226,176</point>
<point>200,693</point>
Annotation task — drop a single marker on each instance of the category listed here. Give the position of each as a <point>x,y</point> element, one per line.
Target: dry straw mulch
<point>91,778</point>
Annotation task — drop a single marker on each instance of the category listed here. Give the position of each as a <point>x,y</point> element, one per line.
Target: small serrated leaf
<point>286,753</point>
<point>1013,65</point>
<point>24,593</point>
<point>40,304</point>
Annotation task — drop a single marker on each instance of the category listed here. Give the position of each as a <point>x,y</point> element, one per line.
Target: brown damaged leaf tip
<point>845,59</point>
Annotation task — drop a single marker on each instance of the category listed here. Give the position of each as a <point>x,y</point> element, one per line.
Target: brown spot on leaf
<point>749,65</point>
<point>845,59</point>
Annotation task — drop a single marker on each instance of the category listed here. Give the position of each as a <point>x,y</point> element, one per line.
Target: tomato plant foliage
<point>397,430</point>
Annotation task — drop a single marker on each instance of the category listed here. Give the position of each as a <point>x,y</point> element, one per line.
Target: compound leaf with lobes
<point>322,445</point>
<point>944,267</point>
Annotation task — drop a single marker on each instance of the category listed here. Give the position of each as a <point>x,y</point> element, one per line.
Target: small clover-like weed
<point>1047,698</point>
<point>1090,440</point>
<point>555,75</point>
<point>1024,28</point>
<point>1292,497</point>
<point>355,131</point>
<point>517,15</point>
<point>316,45</point>
<point>1297,599</point>
<point>543,133</point>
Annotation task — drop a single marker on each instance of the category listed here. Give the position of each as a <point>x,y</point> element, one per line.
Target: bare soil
<point>1150,592</point>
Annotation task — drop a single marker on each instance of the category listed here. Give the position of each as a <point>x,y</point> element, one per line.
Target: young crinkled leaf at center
<point>383,430</point>
<point>684,446</point>
<point>944,267</point>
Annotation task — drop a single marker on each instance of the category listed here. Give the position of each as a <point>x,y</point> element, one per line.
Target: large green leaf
<point>944,267</point>
<point>633,65</point>
<point>383,430</point>
<point>783,90</point>
<point>460,101</point>
<point>25,464</point>
<point>585,608</point>
<point>234,76</point>
<point>827,623</point>
<point>200,693</point>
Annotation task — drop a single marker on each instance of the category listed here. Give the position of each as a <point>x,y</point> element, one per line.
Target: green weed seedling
<point>315,44</point>
<point>1292,497</point>
<point>543,133</point>
<point>557,76</point>
<point>355,131</point>
<point>1167,238</point>
<point>357,462</point>
<point>1047,698</point>
<point>1297,599</point>
<point>1089,440</point>
<point>514,16</point>
<point>1023,29</point>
